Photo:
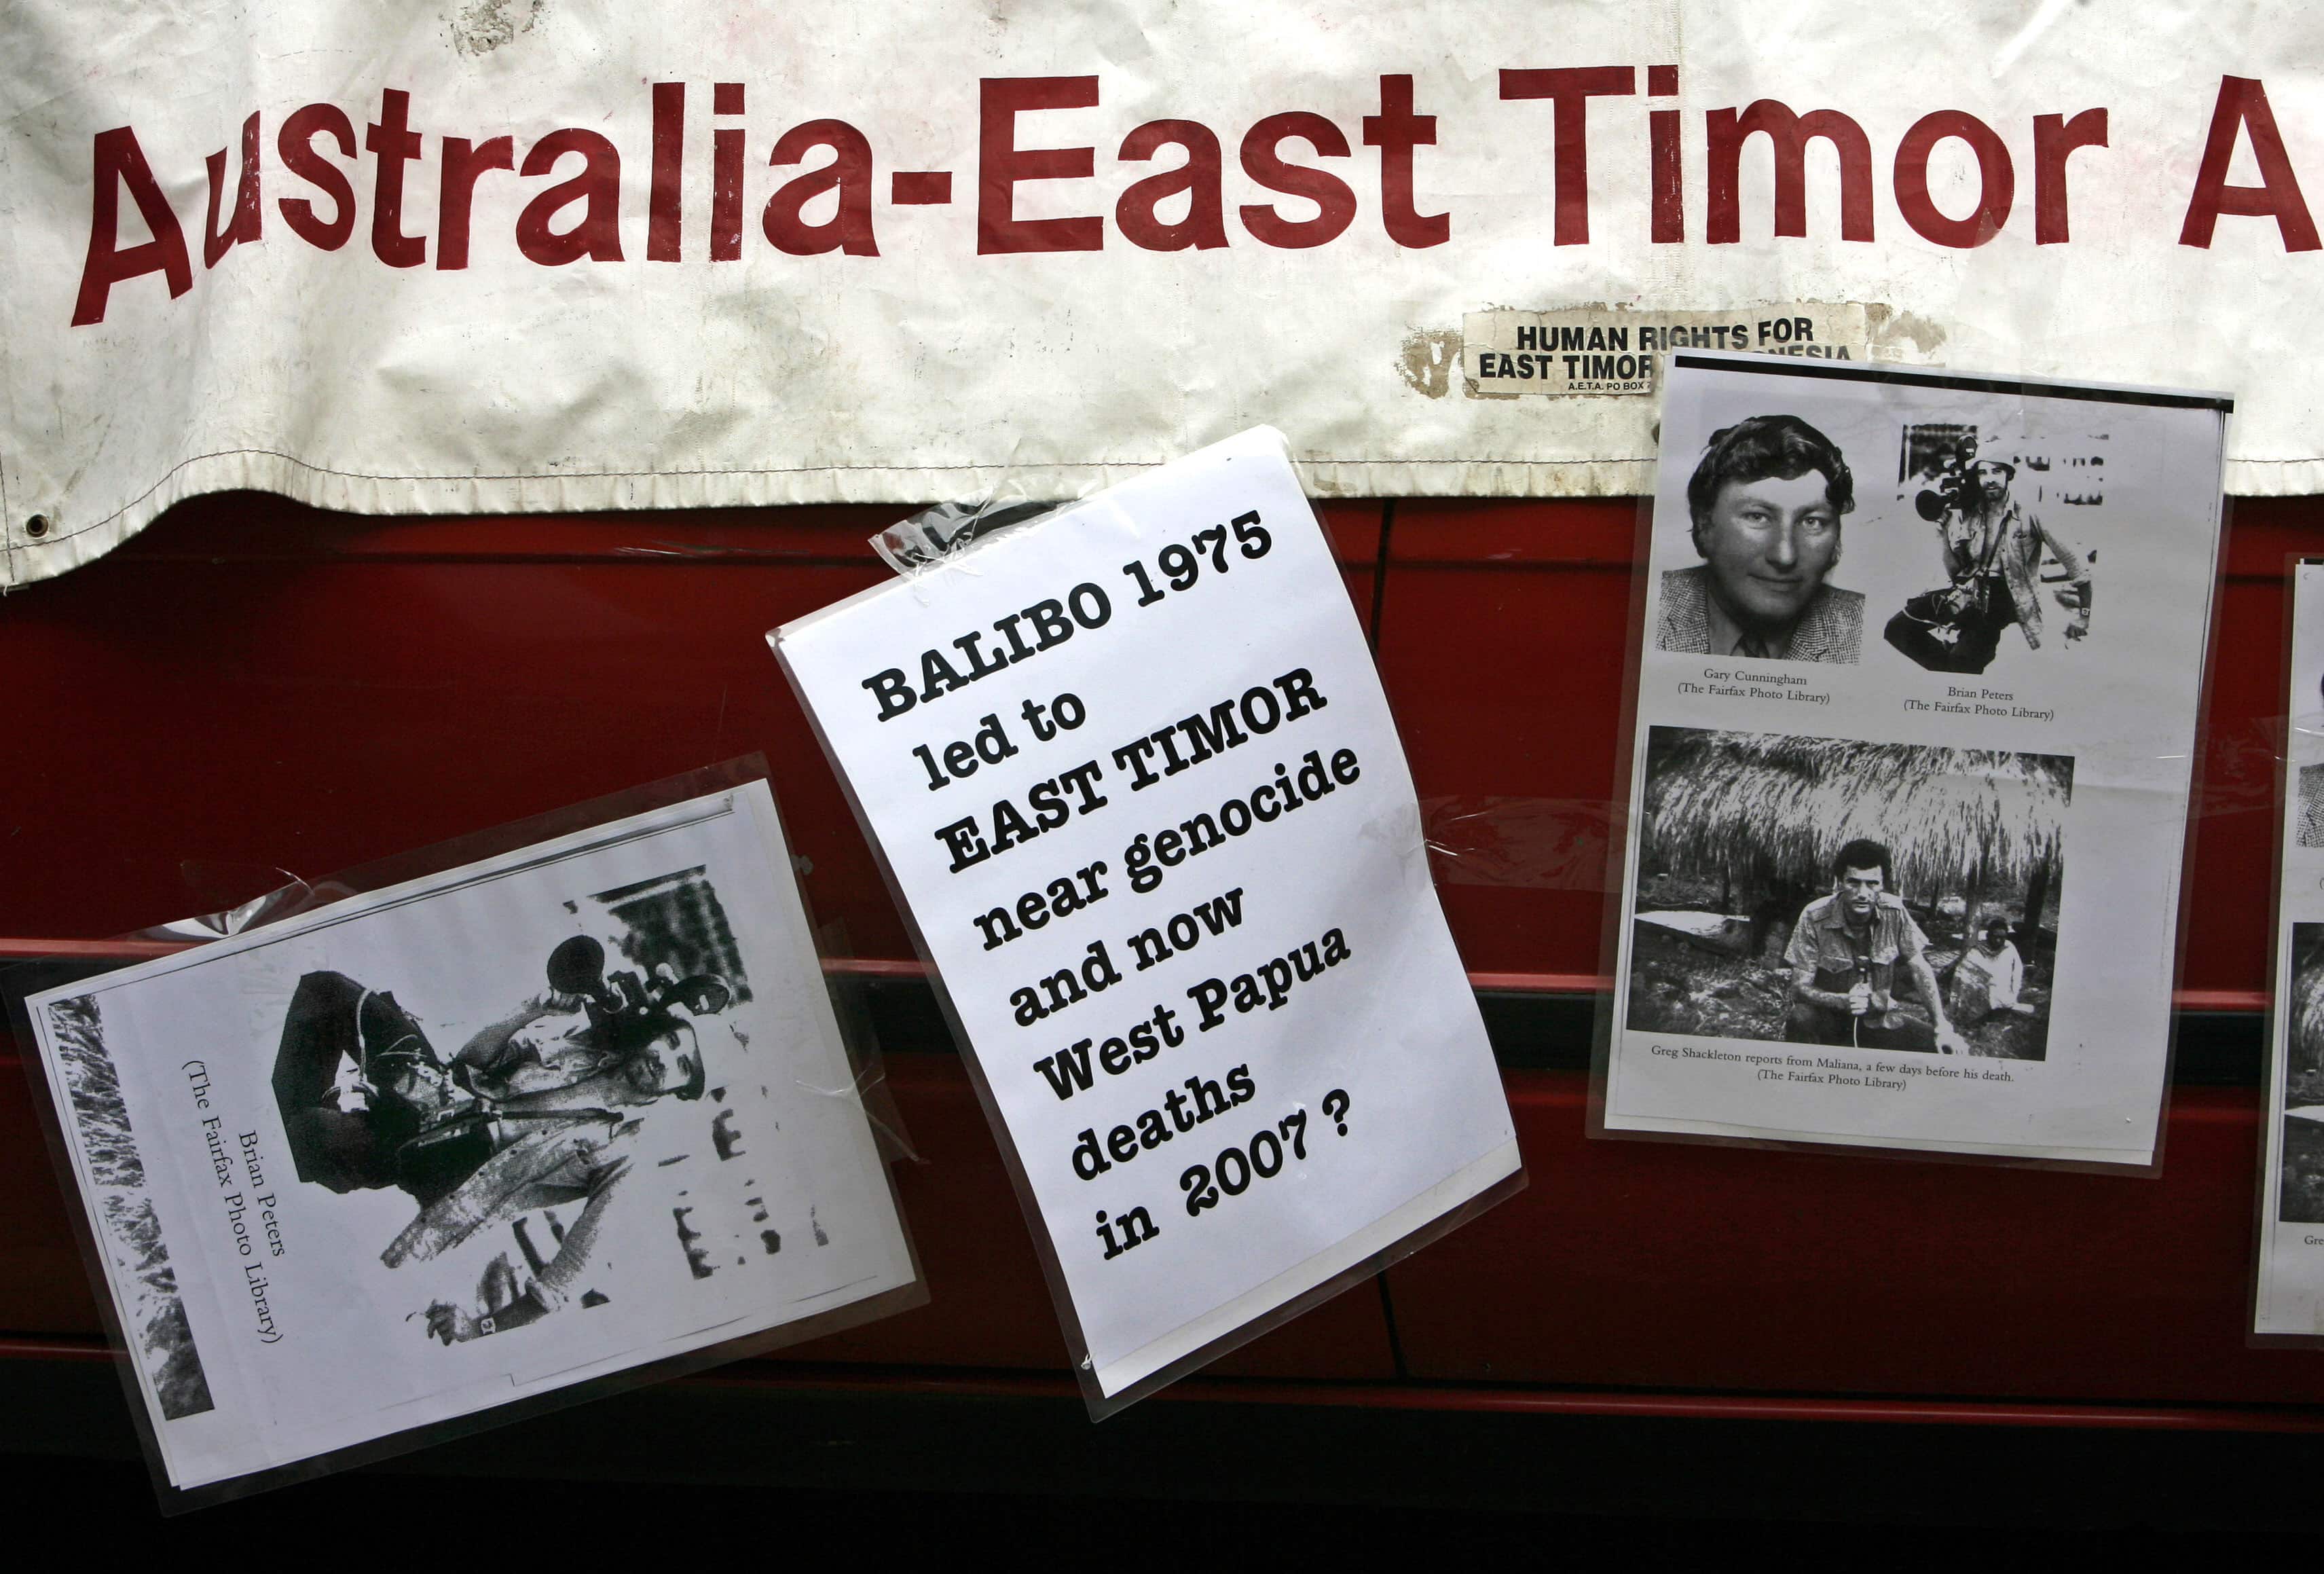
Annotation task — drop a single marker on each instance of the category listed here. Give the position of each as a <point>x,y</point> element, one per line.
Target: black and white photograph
<point>2300,1180</point>
<point>2288,1299</point>
<point>1984,548</point>
<point>537,1109</point>
<point>1986,496</point>
<point>1765,506</point>
<point>126,1229</point>
<point>536,1120</point>
<point>1856,895</point>
<point>2307,813</point>
<point>1879,697</point>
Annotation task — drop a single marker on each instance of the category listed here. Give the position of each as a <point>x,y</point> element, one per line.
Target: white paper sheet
<point>1132,773</point>
<point>251,1267</point>
<point>2047,790</point>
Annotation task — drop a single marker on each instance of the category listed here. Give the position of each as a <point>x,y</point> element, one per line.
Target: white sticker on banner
<point>1133,774</point>
<point>1916,713</point>
<point>2290,1301</point>
<point>1599,350</point>
<point>471,1139</point>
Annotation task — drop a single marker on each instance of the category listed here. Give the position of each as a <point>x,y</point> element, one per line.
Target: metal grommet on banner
<point>37,526</point>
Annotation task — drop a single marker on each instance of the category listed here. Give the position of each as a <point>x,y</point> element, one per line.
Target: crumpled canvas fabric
<point>504,256</point>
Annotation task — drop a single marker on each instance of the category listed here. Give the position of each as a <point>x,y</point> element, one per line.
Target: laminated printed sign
<point>471,1139</point>
<point>1915,719</point>
<point>1132,772</point>
<point>2289,1301</point>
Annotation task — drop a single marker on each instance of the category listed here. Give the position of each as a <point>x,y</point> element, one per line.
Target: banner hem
<point>26,562</point>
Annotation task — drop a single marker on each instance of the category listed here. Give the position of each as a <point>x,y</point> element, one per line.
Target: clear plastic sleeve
<point>1838,915</point>
<point>941,532</point>
<point>624,994</point>
<point>823,681</point>
<point>2287,1288</point>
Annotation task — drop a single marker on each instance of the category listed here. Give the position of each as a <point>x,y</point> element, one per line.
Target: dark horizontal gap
<point>1530,1031</point>
<point>615,557</point>
<point>1166,1468</point>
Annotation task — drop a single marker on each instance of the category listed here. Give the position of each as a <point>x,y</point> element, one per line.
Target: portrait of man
<point>1844,953</point>
<point>534,1110</point>
<point>1764,509</point>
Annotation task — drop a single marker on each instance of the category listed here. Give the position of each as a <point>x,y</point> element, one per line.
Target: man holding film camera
<point>536,1110</point>
<point>1991,546</point>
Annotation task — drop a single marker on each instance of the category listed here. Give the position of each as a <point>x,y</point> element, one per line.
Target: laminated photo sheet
<point>1915,720</point>
<point>2288,1298</point>
<point>472,1139</point>
<point>1132,772</point>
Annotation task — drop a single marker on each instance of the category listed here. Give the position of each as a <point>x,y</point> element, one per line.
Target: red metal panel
<point>1657,1264</point>
<point>1624,1264</point>
<point>1502,643</point>
<point>2228,908</point>
<point>253,686</point>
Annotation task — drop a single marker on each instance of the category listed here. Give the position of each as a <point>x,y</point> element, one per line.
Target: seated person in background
<point>1989,976</point>
<point>1844,954</point>
<point>1765,503</point>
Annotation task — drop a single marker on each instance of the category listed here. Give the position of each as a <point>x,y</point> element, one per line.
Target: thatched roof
<point>1771,808</point>
<point>2305,1003</point>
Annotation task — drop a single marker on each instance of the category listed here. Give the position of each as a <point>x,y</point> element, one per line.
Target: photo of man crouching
<point>1844,954</point>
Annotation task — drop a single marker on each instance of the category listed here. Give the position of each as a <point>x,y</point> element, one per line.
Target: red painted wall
<point>253,687</point>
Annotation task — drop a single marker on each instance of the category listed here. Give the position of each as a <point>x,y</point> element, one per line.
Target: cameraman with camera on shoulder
<point>1991,545</point>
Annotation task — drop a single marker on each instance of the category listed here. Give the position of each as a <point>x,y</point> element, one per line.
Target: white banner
<point>1915,727</point>
<point>511,255</point>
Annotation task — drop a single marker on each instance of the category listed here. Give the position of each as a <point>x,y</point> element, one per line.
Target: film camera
<point>624,1001</point>
<point>624,1009</point>
<point>1955,491</point>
